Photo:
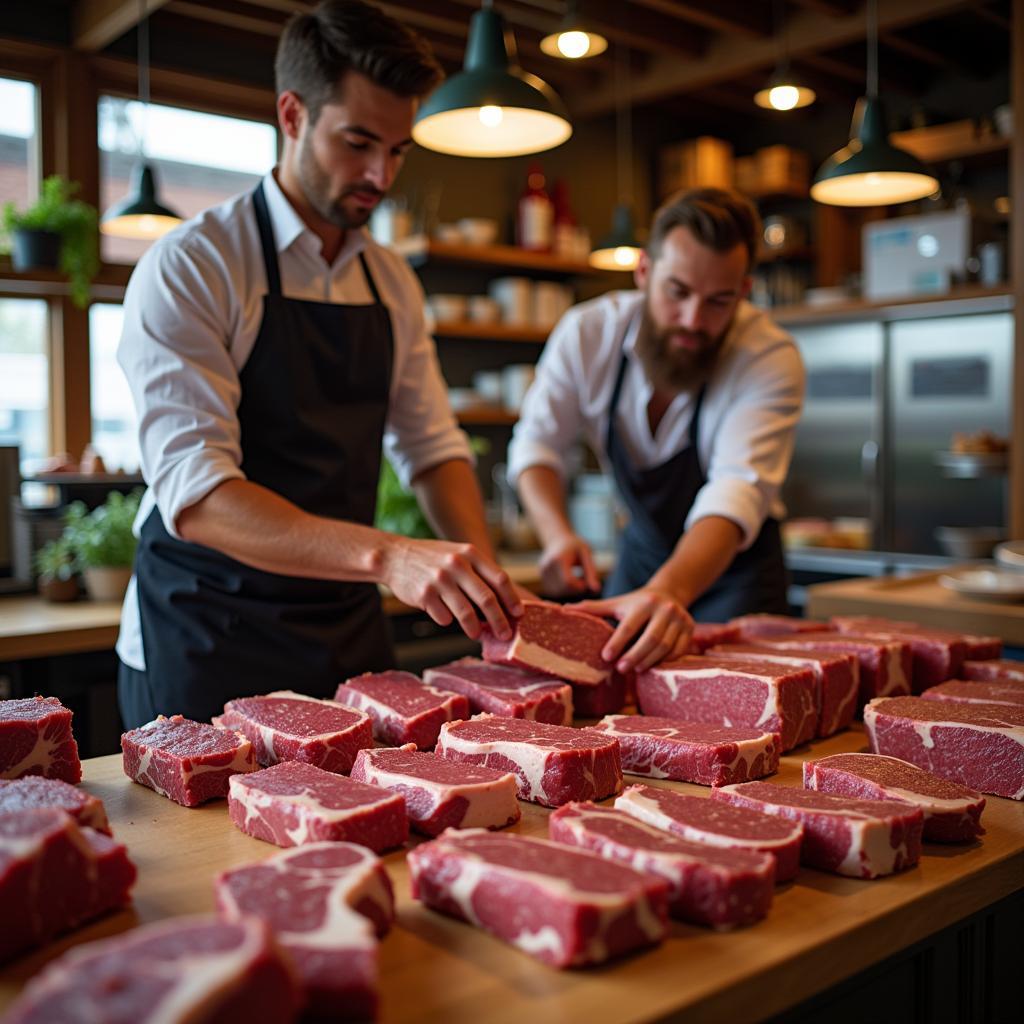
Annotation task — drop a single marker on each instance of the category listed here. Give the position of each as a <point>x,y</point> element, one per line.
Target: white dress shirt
<point>747,422</point>
<point>192,312</point>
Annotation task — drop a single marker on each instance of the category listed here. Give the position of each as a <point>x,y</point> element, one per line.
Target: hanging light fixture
<point>869,170</point>
<point>140,214</point>
<point>492,107</point>
<point>574,39</point>
<point>784,90</point>
<point>619,249</point>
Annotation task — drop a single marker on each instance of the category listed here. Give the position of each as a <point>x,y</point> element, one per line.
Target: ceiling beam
<point>992,17</point>
<point>915,51</point>
<point>833,8</point>
<point>229,16</point>
<point>717,15</point>
<point>95,24</point>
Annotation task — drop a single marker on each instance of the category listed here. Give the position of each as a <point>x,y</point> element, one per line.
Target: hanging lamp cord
<point>143,36</point>
<point>623,124</point>
<point>872,49</point>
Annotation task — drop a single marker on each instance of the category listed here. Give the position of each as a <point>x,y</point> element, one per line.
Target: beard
<point>669,367</point>
<point>316,187</point>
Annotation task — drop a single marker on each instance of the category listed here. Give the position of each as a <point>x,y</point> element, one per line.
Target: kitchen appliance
<point>915,255</point>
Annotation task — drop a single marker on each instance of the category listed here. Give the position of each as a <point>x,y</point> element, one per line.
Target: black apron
<point>314,401</point>
<point>658,500</point>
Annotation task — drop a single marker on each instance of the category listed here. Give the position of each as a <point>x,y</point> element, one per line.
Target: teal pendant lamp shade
<point>619,249</point>
<point>492,107</point>
<point>140,214</point>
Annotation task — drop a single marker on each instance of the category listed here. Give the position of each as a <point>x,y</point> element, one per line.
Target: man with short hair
<point>690,397</point>
<point>272,348</point>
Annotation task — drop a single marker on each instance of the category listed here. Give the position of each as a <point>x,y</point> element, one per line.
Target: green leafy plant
<point>75,221</point>
<point>103,537</point>
<point>56,559</point>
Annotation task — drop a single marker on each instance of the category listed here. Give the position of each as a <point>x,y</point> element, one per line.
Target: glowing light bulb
<point>873,179</point>
<point>784,97</point>
<point>491,116</point>
<point>624,255</point>
<point>573,44</point>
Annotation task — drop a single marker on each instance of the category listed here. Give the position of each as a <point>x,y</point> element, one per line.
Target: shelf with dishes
<point>955,140</point>
<point>486,416</point>
<point>477,331</point>
<point>420,250</point>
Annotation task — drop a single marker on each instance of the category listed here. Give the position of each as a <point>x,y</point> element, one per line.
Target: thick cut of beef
<point>293,803</point>
<point>858,838</point>
<point>700,820</point>
<point>506,691</point>
<point>327,904</point>
<point>993,669</point>
<point>552,764</point>
<point>604,698</point>
<point>981,746</point>
<point>566,907</point>
<point>55,876</point>
<point>36,739</point>
<point>709,634</point>
<point>33,791</point>
<point>1010,691</point>
<point>555,640</point>
<point>751,627</point>
<point>709,755</point>
<point>983,648</point>
<point>403,708</point>
<point>439,793</point>
<point>188,970</point>
<point>885,665</point>
<point>286,726</point>
<point>753,694</point>
<point>952,813</point>
<point>707,885</point>
<point>187,762</point>
<point>837,677</point>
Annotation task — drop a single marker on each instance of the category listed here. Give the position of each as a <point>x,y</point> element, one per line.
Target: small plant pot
<point>107,583</point>
<point>58,590</point>
<point>35,249</point>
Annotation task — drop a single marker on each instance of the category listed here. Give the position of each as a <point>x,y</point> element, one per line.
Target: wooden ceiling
<point>712,51</point>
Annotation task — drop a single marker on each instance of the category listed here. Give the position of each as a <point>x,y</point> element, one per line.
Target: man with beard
<point>272,348</point>
<point>690,397</point>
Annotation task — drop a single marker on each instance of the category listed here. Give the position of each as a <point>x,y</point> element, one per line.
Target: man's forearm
<point>542,492</point>
<point>450,498</point>
<point>702,554</point>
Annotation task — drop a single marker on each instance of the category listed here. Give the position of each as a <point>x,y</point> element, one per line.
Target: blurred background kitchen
<point>909,455</point>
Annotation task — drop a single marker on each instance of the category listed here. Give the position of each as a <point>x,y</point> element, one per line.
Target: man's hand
<point>666,627</point>
<point>558,563</point>
<point>452,581</point>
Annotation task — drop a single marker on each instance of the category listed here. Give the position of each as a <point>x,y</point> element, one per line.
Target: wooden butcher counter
<point>934,943</point>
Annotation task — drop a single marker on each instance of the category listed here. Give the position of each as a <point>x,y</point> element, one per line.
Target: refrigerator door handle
<point>869,462</point>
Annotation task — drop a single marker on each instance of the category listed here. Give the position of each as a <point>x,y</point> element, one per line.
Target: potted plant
<point>58,577</point>
<point>55,232</point>
<point>103,543</point>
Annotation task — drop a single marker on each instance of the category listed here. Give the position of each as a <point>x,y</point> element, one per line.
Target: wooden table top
<point>821,929</point>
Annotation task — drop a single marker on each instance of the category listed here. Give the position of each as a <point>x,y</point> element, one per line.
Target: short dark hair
<point>316,49</point>
<point>717,217</point>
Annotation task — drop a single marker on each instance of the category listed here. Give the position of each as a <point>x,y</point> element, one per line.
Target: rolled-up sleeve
<point>753,444</point>
<point>175,353</point>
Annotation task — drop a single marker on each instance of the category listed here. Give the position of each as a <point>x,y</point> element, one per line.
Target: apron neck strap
<point>370,283</point>
<point>266,230</point>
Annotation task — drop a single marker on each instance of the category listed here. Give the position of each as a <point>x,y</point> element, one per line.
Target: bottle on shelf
<point>535,214</point>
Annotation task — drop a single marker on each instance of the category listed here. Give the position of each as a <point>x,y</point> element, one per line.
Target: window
<point>19,163</point>
<point>199,159</point>
<point>114,433</point>
<point>24,379</point>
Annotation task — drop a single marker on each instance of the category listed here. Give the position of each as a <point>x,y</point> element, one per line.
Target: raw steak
<point>403,709</point>
<point>981,746</point>
<point>552,764</point>
<point>709,755</point>
<point>740,694</point>
<point>187,762</point>
<point>707,885</point>
<point>55,876</point>
<point>983,648</point>
<point>294,803</point>
<point>1009,692</point>
<point>952,813</point>
<point>506,691</point>
<point>36,739</point>
<point>565,907</point>
<point>202,970</point>
<point>286,726</point>
<point>441,794</point>
<point>993,669</point>
<point>33,791</point>
<point>556,640</point>
<point>751,628</point>
<point>605,698</point>
<point>708,634</point>
<point>885,665</point>
<point>327,904</point>
<point>714,823</point>
<point>936,655</point>
<point>858,838</point>
<point>837,677</point>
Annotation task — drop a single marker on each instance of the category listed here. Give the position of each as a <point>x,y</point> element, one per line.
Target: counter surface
<point>821,929</point>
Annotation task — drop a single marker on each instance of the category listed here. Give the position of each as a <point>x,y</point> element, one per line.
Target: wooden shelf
<point>792,252</point>
<point>490,332</point>
<point>486,416</point>
<point>768,193</point>
<point>419,250</point>
<point>957,140</point>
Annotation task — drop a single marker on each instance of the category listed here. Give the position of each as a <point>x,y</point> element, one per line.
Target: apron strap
<point>370,283</point>
<point>693,431</point>
<point>266,230</point>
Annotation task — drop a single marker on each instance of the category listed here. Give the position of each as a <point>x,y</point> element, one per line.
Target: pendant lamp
<point>140,214</point>
<point>869,170</point>
<point>575,39</point>
<point>492,107</point>
<point>784,90</point>
<point>619,249</point>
